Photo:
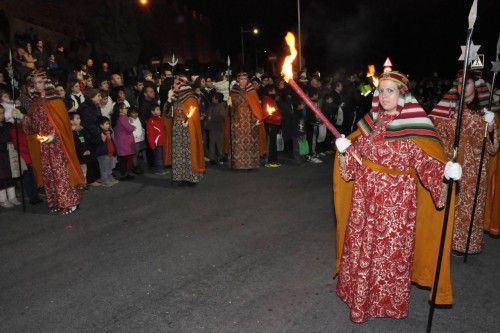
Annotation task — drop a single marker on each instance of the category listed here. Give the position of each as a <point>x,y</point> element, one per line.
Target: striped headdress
<point>50,90</point>
<point>184,90</point>
<point>236,88</point>
<point>411,121</point>
<point>447,107</point>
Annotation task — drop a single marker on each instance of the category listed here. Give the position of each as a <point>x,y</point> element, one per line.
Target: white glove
<point>185,123</point>
<point>171,96</point>
<point>489,117</point>
<point>342,144</point>
<point>453,170</point>
<point>17,114</point>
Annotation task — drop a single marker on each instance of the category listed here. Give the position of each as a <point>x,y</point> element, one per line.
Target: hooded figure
<point>188,163</point>
<point>387,207</point>
<point>475,123</point>
<point>247,128</point>
<point>52,148</point>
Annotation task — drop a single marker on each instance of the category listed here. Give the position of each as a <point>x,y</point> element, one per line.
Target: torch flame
<point>287,70</point>
<point>371,73</point>
<point>41,138</point>
<point>270,109</point>
<point>371,70</point>
<point>192,109</point>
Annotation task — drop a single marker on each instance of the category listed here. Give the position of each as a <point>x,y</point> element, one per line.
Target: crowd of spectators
<point>96,95</point>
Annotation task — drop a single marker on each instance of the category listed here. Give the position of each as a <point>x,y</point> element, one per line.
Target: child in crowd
<point>106,104</point>
<point>121,97</point>
<point>155,130</point>
<point>124,140</point>
<point>17,132</point>
<point>106,153</point>
<point>216,115</point>
<point>139,138</point>
<point>7,190</point>
<point>82,150</point>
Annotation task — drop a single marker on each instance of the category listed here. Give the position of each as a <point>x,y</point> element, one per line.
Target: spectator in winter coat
<point>124,141</point>
<point>155,130</point>
<point>89,113</point>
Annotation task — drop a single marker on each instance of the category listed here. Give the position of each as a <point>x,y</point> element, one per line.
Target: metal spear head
<point>174,60</point>
<point>473,14</point>
<point>228,61</point>
<point>498,45</point>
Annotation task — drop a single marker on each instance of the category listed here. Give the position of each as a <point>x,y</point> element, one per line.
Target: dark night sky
<point>420,36</point>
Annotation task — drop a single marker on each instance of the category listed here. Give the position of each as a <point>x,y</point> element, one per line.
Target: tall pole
<point>256,60</point>
<point>299,34</point>
<point>472,21</point>
<point>242,47</point>
<point>230,110</point>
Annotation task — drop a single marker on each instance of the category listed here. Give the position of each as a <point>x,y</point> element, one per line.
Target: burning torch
<point>287,72</point>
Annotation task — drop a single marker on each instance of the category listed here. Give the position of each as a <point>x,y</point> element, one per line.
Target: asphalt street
<point>240,252</point>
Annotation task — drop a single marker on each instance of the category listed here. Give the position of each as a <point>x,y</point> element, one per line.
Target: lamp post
<point>254,31</point>
<point>299,34</point>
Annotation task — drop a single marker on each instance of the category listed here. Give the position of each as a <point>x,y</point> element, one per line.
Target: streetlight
<point>254,31</point>
<point>300,34</point>
<point>144,2</point>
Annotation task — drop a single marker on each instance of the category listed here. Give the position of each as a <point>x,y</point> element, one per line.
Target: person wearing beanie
<point>387,236</point>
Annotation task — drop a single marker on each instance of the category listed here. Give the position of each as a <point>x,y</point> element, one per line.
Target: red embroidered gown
<point>55,170</point>
<point>376,264</point>
<point>469,156</point>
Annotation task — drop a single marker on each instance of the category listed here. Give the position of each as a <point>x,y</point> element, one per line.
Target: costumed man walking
<point>387,230</point>
<point>60,175</point>
<point>245,125</point>
<point>188,160</point>
<point>475,120</point>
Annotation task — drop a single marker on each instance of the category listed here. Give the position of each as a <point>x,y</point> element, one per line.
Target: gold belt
<point>383,169</point>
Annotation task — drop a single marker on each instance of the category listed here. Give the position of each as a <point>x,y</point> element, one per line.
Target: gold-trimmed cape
<point>428,227</point>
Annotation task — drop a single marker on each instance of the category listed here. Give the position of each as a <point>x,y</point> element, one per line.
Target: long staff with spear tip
<point>495,70</point>
<point>16,128</point>
<point>472,21</point>
<point>172,64</point>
